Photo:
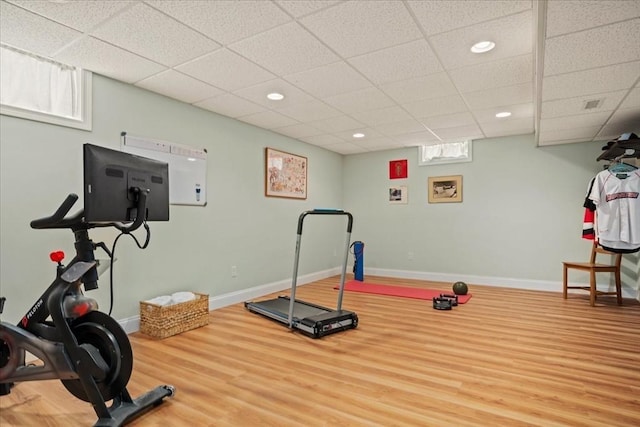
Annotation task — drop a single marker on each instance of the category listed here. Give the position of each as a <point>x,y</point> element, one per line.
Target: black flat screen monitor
<point>112,179</point>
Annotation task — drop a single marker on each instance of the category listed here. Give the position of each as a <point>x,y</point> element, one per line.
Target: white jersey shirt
<point>617,201</point>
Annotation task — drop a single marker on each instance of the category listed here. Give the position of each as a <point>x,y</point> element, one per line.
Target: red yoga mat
<point>398,291</point>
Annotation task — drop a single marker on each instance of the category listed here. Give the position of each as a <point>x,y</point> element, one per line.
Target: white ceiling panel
<point>32,33</point>
<point>225,21</point>
<point>442,16</point>
<point>586,82</point>
<point>358,27</point>
<point>179,86</point>
<point>226,70</point>
<point>366,99</point>
<point>79,15</point>
<point>105,59</point>
<point>512,35</point>
<point>500,96</point>
<point>568,16</point>
<point>504,72</point>
<point>572,106</point>
<point>158,37</point>
<point>299,8</point>
<point>230,105</point>
<point>421,88</point>
<point>268,120</point>
<point>399,70</point>
<point>400,62</point>
<point>285,49</point>
<point>329,80</point>
<point>601,46</point>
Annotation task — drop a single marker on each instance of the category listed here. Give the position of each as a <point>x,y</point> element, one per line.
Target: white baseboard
<point>132,324</point>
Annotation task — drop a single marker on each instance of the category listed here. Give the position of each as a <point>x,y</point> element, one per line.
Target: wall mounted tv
<point>113,180</point>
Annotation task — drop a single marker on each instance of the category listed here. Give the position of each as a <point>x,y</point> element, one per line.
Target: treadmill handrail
<point>325,212</point>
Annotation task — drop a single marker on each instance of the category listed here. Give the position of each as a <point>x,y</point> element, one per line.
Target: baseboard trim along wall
<point>132,324</point>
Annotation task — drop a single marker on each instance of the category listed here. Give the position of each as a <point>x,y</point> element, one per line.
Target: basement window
<point>445,152</point>
<point>40,89</point>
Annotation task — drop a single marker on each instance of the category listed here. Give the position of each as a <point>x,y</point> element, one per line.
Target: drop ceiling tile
<point>31,32</point>
<point>586,82</point>
<point>103,58</point>
<point>268,120</point>
<point>512,35</point>
<point>497,128</point>
<point>569,16</point>
<point>573,106</point>
<point>504,72</point>
<point>436,106</point>
<point>79,15</point>
<point>322,140</point>
<point>632,100</point>
<point>226,70</point>
<point>258,94</point>
<point>500,96</point>
<point>370,98</point>
<point>311,111</point>
<point>298,130</point>
<point>577,121</point>
<point>460,132</point>
<point>345,148</point>
<point>550,141</point>
<point>179,86</point>
<point>400,128</point>
<point>368,132</point>
<point>601,46</point>
<point>441,16</point>
<point>230,105</point>
<point>400,62</point>
<point>381,116</point>
<point>240,18</point>
<point>584,133</point>
<point>449,120</point>
<point>156,36</point>
<point>417,138</point>
<point>286,49</point>
<point>337,124</point>
<point>622,121</point>
<point>377,144</point>
<point>421,88</point>
<point>299,8</point>
<point>358,27</point>
<point>517,111</point>
<point>328,80</point>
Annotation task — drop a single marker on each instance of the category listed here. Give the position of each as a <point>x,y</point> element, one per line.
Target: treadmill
<point>313,320</point>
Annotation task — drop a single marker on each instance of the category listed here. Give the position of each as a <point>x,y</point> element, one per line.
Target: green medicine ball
<point>460,288</point>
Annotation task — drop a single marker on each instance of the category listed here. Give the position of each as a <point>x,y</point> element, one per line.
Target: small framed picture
<point>398,195</point>
<point>398,169</point>
<point>285,175</point>
<point>445,189</point>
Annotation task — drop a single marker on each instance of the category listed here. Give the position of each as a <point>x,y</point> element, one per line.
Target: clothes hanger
<point>620,168</point>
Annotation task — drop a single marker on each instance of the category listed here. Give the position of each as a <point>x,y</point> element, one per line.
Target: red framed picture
<point>398,169</point>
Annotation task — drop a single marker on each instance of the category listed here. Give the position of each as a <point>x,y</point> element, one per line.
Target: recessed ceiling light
<point>483,46</point>
<point>358,135</point>
<point>503,114</point>
<point>275,96</point>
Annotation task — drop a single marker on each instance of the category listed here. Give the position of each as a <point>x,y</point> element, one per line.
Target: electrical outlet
<point>410,256</point>
<point>234,271</point>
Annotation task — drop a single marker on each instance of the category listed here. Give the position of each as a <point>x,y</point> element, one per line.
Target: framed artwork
<point>398,169</point>
<point>398,195</point>
<point>445,189</point>
<point>285,175</point>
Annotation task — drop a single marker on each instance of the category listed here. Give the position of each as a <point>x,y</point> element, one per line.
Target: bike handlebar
<point>54,220</point>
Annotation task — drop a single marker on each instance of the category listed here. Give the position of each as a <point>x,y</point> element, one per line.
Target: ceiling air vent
<point>594,103</point>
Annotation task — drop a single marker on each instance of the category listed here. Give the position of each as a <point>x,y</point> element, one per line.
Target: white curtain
<point>38,84</point>
<point>447,150</point>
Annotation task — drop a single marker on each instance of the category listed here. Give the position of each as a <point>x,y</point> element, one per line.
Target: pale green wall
<point>521,214</point>
<point>41,164</point>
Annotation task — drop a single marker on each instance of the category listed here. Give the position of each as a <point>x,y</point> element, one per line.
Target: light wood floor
<point>506,358</point>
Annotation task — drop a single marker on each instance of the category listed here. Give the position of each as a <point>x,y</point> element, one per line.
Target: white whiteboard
<point>187,167</point>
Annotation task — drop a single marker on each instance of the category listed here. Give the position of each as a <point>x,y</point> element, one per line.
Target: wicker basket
<point>165,321</point>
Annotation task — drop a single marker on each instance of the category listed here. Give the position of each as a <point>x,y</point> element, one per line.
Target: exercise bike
<point>84,348</point>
